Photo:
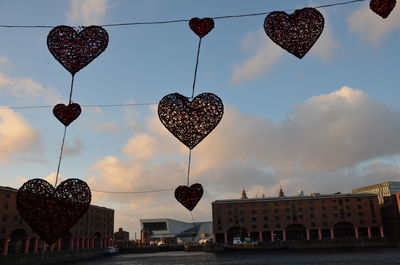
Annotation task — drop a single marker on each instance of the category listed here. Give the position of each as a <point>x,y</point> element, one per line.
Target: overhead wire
<point>184,20</point>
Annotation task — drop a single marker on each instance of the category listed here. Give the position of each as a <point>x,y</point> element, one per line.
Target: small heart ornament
<point>190,122</point>
<point>49,211</point>
<point>382,7</point>
<point>76,49</point>
<point>189,196</point>
<point>201,26</point>
<point>67,114</point>
<point>296,32</point>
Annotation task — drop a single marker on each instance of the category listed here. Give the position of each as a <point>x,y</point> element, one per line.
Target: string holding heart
<point>52,211</point>
<point>191,119</point>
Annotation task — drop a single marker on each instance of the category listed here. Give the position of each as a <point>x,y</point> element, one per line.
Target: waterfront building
<point>385,189</point>
<point>280,218</point>
<point>121,239</point>
<point>172,231</point>
<point>94,230</point>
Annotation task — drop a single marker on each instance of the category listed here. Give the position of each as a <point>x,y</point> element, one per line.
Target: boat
<point>248,245</point>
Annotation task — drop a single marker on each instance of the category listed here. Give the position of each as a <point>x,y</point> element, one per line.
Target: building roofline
<point>291,198</point>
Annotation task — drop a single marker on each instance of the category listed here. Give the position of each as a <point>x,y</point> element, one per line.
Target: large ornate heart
<point>52,212</point>
<point>201,26</point>
<point>190,122</point>
<point>297,32</point>
<point>74,49</point>
<point>189,196</point>
<point>67,114</point>
<point>382,7</point>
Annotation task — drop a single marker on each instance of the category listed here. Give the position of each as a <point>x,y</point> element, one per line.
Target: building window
<point>312,224</point>
<point>277,217</point>
<point>347,207</point>
<point>7,195</point>
<point>242,219</point>
<point>288,217</point>
<point>5,217</point>
<point>360,214</point>
<point>219,228</point>
<point>358,199</point>
<point>265,211</point>
<point>230,220</point>
<point>348,214</point>
<point>241,212</point>
<point>333,201</point>
<point>324,215</point>
<point>277,226</point>
<point>312,216</point>
<point>359,206</point>
<point>6,206</point>
<point>325,223</point>
<point>311,209</point>
<point>275,203</point>
<point>253,212</point>
<point>300,216</point>
<point>323,201</point>
<point>323,208</point>
<point>3,230</point>
<point>361,222</point>
<point>265,218</point>
<point>346,200</point>
<point>254,226</point>
<point>300,210</point>
<point>276,210</point>
<point>335,215</point>
<point>16,218</point>
<point>230,213</point>
<point>335,208</point>
<point>266,226</point>
<point>288,210</point>
<point>254,219</point>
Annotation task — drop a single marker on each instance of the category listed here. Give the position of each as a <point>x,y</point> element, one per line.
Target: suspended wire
<point>183,20</point>
<point>132,192</point>
<point>86,106</point>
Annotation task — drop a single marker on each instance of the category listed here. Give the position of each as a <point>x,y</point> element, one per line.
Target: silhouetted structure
<point>298,217</point>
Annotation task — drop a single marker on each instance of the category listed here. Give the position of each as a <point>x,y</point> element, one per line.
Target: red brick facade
<point>95,229</point>
<point>298,217</point>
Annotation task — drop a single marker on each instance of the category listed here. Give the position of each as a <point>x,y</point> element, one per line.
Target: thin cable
<point>132,192</point>
<point>192,218</point>
<point>61,154</point>
<point>72,88</point>
<point>184,20</point>
<point>195,69</point>
<point>86,106</point>
<point>188,172</point>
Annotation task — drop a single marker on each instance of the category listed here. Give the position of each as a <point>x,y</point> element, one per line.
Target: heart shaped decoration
<point>297,32</point>
<point>189,196</point>
<point>73,49</point>
<point>190,122</point>
<point>52,212</point>
<point>201,26</point>
<point>67,114</point>
<point>382,7</point>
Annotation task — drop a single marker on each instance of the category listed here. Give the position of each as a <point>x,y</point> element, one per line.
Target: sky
<point>326,123</point>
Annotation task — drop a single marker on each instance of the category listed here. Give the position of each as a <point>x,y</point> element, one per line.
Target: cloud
<point>372,27</point>
<point>328,143</point>
<point>261,62</point>
<point>16,135</point>
<point>88,12</point>
<point>75,148</point>
<point>28,89</point>
<point>100,126</point>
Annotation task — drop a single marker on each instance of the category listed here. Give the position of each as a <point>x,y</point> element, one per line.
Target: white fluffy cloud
<point>27,89</point>
<point>16,135</point>
<point>328,143</point>
<point>88,12</point>
<point>261,62</point>
<point>372,27</point>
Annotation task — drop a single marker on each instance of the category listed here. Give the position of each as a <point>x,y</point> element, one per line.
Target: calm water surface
<point>381,256</point>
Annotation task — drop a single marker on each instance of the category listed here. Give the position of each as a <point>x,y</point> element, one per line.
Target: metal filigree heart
<point>382,7</point>
<point>73,49</point>
<point>67,114</point>
<point>201,26</point>
<point>189,196</point>
<point>52,212</point>
<point>297,32</point>
<point>190,122</point>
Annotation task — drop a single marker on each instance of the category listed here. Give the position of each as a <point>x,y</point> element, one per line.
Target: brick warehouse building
<point>297,217</point>
<point>95,229</point>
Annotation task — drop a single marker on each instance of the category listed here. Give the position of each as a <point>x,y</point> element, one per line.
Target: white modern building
<point>172,231</point>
